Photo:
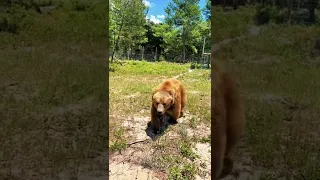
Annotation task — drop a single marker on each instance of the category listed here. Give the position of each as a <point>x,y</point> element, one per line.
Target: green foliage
<point>16,18</point>
<point>193,122</point>
<point>196,65</point>
<point>171,37</point>
<point>183,31</point>
<point>279,13</point>
<point>230,24</point>
<point>81,5</point>
<point>154,43</point>
<point>113,66</point>
<point>119,144</point>
<point>205,139</point>
<point>186,150</point>
<point>207,10</point>
<point>183,17</point>
<point>267,13</point>
<point>186,172</point>
<point>183,28</point>
<point>175,173</point>
<point>127,20</point>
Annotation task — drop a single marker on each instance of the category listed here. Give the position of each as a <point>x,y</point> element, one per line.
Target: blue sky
<point>156,9</point>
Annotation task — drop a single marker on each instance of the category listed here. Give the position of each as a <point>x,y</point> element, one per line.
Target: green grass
<point>130,92</point>
<point>53,116</point>
<point>273,67</point>
<point>141,68</point>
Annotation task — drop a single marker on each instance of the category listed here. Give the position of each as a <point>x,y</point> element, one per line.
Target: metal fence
<point>177,58</point>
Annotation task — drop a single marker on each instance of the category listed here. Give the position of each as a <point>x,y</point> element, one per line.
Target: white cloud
<point>154,19</point>
<point>148,3</point>
<point>160,16</point>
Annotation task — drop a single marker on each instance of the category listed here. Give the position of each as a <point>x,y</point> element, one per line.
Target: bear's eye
<point>164,104</point>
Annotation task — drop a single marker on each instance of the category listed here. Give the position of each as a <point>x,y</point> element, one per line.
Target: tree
<point>207,9</point>
<point>127,20</point>
<point>154,43</point>
<point>312,5</point>
<point>183,16</point>
<point>171,39</point>
<point>200,33</point>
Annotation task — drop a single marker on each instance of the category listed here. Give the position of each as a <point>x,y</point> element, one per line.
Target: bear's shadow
<point>167,123</point>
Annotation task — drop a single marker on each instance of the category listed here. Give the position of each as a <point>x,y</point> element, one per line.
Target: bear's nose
<point>159,112</point>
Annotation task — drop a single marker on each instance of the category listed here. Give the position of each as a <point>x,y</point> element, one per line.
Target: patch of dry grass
<point>53,120</point>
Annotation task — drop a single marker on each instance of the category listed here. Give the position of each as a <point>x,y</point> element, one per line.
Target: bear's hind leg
<point>175,114</point>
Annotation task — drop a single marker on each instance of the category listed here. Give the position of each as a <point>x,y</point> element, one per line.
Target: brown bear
<point>228,121</point>
<point>168,99</point>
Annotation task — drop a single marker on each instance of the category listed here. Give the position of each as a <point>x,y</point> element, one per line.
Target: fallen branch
<point>10,84</point>
<point>135,142</point>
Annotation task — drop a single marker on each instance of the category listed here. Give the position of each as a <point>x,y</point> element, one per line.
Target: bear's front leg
<point>155,122</point>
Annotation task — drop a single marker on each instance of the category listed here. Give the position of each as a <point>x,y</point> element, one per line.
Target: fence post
<point>128,54</point>
<point>155,56</point>
<point>142,52</point>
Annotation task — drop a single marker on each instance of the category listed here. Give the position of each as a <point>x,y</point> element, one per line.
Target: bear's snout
<point>160,109</point>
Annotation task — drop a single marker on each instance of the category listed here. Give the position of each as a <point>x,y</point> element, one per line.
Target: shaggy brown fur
<point>228,121</point>
<point>169,98</point>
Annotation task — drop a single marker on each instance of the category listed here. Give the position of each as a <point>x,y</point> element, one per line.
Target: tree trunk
<point>128,52</point>
<point>235,4</point>
<point>155,57</point>
<point>289,11</point>
<point>224,5</point>
<point>312,15</point>
<point>184,45</point>
<point>204,43</point>
<point>142,53</point>
<point>116,43</point>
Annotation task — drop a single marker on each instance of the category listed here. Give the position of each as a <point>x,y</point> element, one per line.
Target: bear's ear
<point>152,95</point>
<point>171,93</point>
<point>154,90</point>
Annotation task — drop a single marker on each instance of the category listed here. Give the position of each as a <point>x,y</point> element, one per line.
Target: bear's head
<point>162,101</point>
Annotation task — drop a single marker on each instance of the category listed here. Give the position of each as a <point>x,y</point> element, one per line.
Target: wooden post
<point>204,41</point>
